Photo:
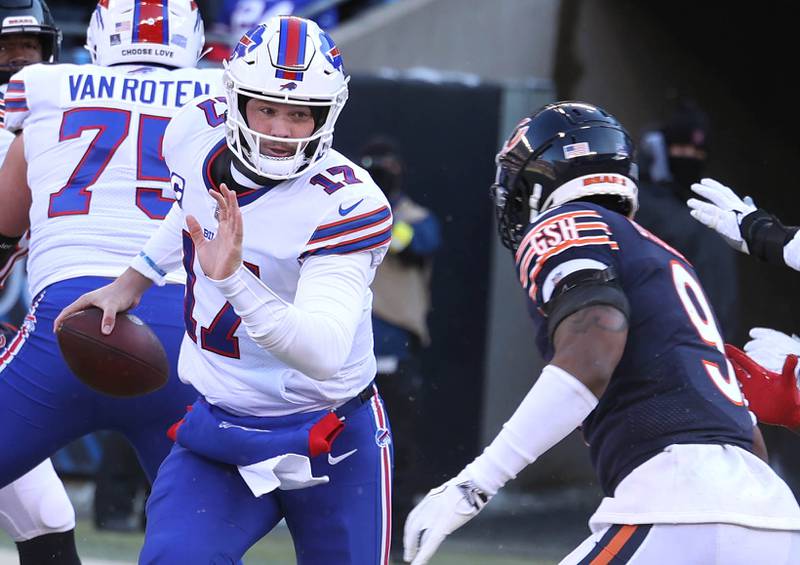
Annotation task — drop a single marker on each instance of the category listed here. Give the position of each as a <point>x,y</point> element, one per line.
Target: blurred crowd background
<point>446,80</point>
<point>225,20</point>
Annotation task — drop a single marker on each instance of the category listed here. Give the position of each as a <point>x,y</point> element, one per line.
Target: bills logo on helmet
<point>289,86</point>
<point>331,52</point>
<point>249,41</point>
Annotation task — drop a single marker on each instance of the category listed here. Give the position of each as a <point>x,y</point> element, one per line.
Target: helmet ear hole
<point>320,115</point>
<point>243,99</point>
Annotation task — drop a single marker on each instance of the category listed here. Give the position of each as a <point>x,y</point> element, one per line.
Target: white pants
<point>36,504</point>
<point>687,544</point>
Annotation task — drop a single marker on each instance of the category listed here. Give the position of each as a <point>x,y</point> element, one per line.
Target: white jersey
<point>93,139</point>
<point>3,139</point>
<point>6,137</point>
<point>334,208</point>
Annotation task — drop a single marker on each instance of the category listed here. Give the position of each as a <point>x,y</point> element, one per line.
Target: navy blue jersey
<point>673,383</point>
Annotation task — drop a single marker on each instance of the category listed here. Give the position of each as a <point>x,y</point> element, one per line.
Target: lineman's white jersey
<point>334,208</point>
<point>93,139</point>
<point>6,137</point>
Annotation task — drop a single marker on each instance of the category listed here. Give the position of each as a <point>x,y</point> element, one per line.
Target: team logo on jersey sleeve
<point>178,186</point>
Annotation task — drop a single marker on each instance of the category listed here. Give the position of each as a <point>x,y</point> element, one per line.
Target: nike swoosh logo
<point>227,425</point>
<point>345,211</point>
<point>335,460</point>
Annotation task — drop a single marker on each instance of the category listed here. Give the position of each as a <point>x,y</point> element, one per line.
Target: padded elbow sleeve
<point>8,246</point>
<point>10,251</point>
<point>766,236</point>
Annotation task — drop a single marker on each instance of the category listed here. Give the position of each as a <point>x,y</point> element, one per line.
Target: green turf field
<point>276,549</point>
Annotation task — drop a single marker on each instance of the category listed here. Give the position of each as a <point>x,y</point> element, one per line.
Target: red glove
<point>773,397</point>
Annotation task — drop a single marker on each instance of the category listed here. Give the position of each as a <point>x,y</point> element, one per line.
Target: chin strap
<point>246,180</point>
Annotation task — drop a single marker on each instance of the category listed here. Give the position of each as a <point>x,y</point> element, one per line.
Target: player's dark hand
<point>222,256</point>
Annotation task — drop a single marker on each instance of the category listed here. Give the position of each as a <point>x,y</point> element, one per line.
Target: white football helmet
<point>161,32</point>
<point>289,60</point>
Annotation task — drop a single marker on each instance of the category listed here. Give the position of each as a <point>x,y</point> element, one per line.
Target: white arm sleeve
<point>556,405</point>
<point>314,334</point>
<point>791,252</point>
<point>163,252</point>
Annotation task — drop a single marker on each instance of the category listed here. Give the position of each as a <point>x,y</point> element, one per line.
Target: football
<point>129,362</point>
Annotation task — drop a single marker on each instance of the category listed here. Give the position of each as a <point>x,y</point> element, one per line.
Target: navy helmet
<point>563,152</point>
<point>29,17</point>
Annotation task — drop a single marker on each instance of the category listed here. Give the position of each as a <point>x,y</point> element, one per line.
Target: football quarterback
<point>280,236</point>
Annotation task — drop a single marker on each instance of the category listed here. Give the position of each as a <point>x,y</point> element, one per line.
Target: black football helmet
<point>565,151</point>
<point>30,17</point>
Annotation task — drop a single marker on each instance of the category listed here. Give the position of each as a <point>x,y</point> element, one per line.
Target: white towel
<point>290,471</point>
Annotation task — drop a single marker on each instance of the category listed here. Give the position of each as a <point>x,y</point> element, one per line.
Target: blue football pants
<point>44,407</point>
<point>201,511</point>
